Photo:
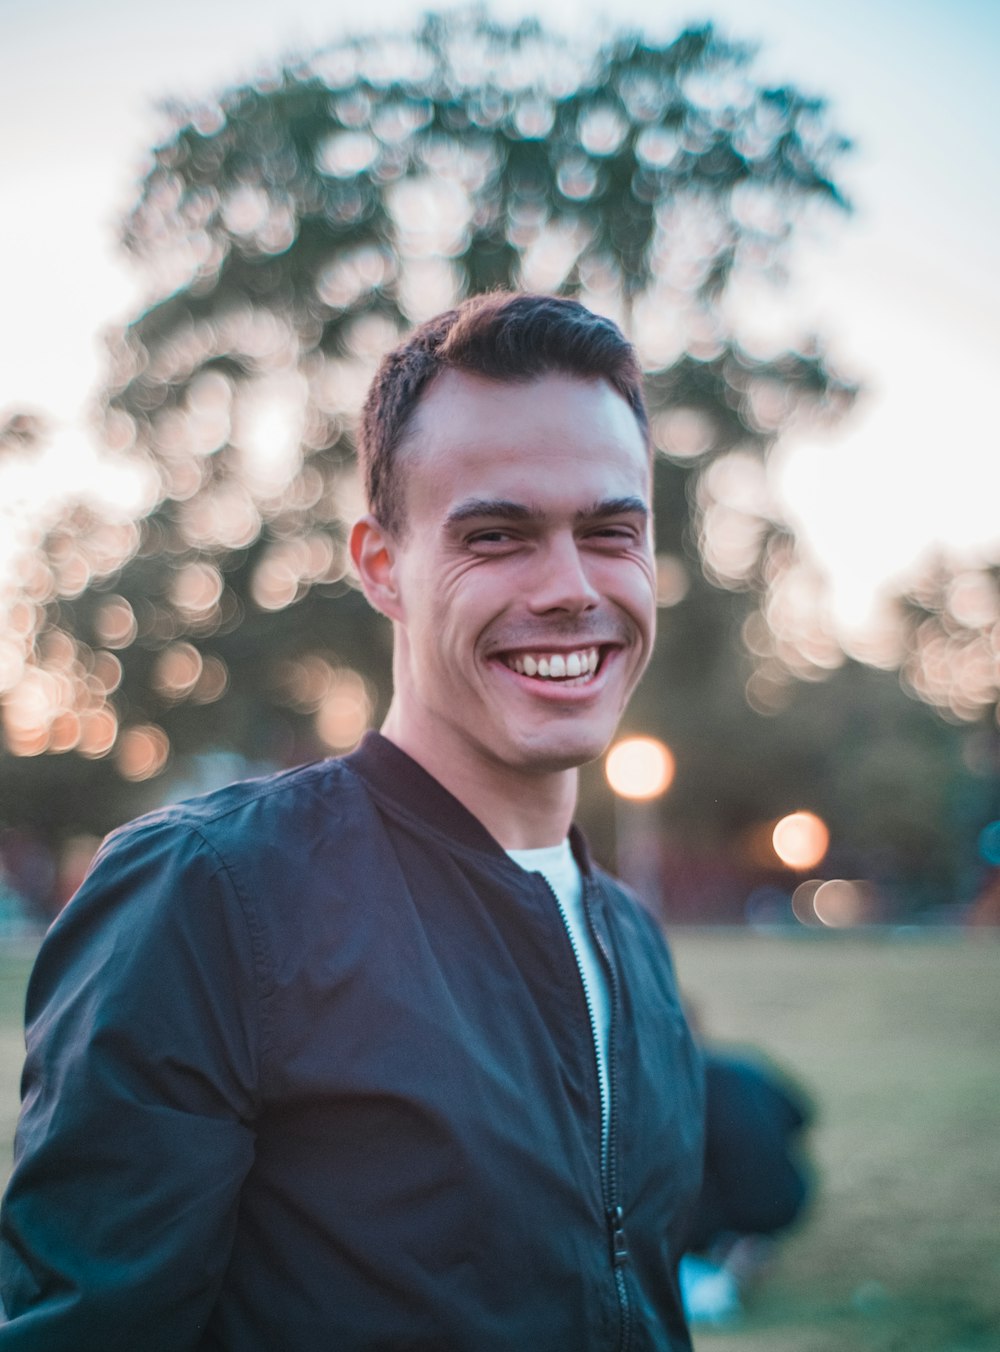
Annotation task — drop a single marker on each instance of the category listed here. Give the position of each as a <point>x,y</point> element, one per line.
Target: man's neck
<point>521,811</point>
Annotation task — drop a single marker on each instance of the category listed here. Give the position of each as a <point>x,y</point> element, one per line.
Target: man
<point>316,1062</point>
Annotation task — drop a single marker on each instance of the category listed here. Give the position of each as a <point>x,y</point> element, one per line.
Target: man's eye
<point>488,538</point>
<point>620,535</point>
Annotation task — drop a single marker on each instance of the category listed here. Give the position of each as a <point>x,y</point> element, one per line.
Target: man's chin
<point>546,756</point>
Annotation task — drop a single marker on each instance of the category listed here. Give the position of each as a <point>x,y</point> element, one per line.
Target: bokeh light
<point>115,623</point>
<point>673,581</point>
<point>802,901</point>
<point>339,698</point>
<point>213,681</point>
<point>639,767</point>
<point>55,697</point>
<point>98,732</point>
<point>182,672</point>
<point>289,568</point>
<point>195,591</point>
<point>143,751</point>
<point>345,712</point>
<point>837,903</point>
<point>989,843</point>
<point>177,671</point>
<point>801,840</point>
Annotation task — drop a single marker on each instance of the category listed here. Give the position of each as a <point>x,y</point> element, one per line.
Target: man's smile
<point>554,666</point>
<point>576,675</point>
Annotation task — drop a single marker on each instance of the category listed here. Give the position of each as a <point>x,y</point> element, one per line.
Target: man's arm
<point>139,1096</point>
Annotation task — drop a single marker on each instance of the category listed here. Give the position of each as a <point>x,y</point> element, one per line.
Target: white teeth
<point>557,666</point>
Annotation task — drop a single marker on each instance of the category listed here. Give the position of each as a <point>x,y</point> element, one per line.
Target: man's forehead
<point>554,443</point>
<point>464,402</point>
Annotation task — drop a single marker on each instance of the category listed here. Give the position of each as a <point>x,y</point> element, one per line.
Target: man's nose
<point>562,581</point>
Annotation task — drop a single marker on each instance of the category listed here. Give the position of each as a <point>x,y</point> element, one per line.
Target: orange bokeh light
<point>142,752</point>
<point>639,767</point>
<point>801,840</point>
<point>345,711</point>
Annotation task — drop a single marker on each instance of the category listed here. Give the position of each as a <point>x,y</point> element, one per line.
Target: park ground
<point>897,1039</point>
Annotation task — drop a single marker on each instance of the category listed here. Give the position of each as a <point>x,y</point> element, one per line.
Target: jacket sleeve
<point>139,1096</point>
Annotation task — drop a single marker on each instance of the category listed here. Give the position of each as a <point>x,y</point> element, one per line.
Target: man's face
<point>524,577</point>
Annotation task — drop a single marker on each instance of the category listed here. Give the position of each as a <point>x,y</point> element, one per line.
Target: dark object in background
<point>756,1179</point>
<point>756,1182</point>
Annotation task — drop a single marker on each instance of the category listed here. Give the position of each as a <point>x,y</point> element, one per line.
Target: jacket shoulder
<point>281,789</point>
<point>259,809</point>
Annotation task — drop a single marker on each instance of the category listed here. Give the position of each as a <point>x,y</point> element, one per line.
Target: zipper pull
<point>619,1242</point>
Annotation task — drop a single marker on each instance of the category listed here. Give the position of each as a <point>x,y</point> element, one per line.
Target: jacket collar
<point>394,776</point>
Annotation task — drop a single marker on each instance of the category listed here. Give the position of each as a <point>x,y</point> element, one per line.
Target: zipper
<point>608,1162</point>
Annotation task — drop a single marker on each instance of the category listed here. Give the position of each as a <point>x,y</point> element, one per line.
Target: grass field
<point>898,1041</point>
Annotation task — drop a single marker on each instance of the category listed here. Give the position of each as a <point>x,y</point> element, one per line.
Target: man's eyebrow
<point>630,506</point>
<point>473,509</point>
<point>505,509</point>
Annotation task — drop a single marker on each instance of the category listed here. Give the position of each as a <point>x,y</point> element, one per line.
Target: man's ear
<point>373,551</point>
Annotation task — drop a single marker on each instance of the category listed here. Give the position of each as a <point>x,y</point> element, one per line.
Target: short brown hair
<point>503,336</point>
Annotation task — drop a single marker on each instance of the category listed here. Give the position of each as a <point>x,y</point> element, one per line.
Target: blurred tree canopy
<point>948,637</point>
<point>291,230</point>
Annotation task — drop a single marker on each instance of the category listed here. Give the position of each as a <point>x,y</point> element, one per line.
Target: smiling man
<point>369,1055</point>
<point>521,584</point>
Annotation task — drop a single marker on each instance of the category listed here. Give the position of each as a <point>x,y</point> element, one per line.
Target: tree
<point>948,624</point>
<point>294,227</point>
<point>291,229</point>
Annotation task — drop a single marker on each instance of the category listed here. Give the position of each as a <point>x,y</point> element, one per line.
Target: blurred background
<point>217,218</point>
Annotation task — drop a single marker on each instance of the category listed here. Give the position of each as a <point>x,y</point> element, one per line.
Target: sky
<point>905,290</point>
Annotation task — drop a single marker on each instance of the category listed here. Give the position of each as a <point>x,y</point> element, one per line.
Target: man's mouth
<point>578,665</point>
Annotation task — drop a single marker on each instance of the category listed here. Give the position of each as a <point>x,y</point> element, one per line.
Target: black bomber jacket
<point>310,1069</point>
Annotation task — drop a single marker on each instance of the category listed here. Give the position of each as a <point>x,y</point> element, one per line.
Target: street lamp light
<point>800,840</point>
<point>639,770</point>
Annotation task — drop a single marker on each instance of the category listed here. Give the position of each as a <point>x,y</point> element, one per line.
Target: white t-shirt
<point>561,871</point>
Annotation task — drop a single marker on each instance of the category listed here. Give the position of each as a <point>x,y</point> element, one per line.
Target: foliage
<point>949,627</point>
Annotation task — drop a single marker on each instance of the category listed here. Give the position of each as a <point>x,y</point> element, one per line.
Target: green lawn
<point>898,1040</point>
